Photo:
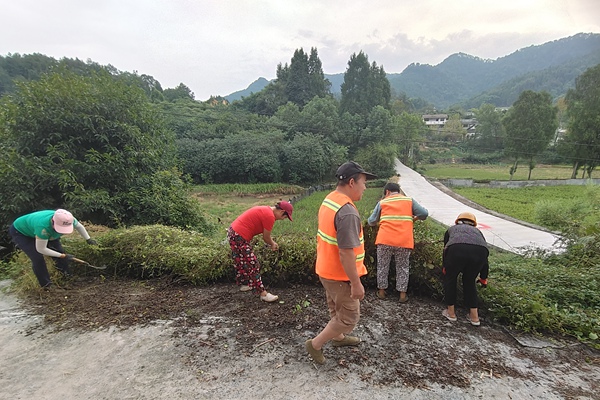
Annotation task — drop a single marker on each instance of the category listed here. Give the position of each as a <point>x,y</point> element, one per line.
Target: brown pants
<point>343,310</point>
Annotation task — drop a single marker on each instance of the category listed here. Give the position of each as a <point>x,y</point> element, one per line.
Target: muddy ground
<point>122,339</point>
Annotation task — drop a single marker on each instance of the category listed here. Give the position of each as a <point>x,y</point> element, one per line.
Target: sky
<point>219,47</point>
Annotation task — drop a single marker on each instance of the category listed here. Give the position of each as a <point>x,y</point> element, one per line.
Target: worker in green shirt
<point>38,234</point>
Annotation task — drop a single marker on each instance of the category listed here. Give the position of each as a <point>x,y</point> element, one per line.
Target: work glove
<point>69,257</point>
<point>91,242</point>
<point>482,282</point>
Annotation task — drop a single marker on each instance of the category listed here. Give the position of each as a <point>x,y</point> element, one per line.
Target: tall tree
<point>320,116</point>
<point>410,130</point>
<point>583,112</point>
<point>297,87</point>
<point>304,78</point>
<point>318,84</point>
<point>489,128</point>
<point>365,86</point>
<point>530,126</point>
<point>380,127</point>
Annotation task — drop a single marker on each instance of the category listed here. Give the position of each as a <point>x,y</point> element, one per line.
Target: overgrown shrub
<point>293,263</point>
<point>156,250</point>
<point>558,214</point>
<point>106,154</point>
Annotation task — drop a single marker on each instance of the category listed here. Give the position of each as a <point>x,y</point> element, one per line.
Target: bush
<point>554,214</point>
<point>106,154</point>
<point>293,263</point>
<point>483,158</point>
<point>157,250</point>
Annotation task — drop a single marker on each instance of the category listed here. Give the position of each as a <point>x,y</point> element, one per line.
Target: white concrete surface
<point>498,232</point>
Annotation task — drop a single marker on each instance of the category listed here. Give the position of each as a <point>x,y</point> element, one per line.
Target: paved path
<point>443,208</point>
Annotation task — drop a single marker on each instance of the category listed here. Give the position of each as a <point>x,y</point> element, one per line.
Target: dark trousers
<point>27,244</point>
<point>468,259</point>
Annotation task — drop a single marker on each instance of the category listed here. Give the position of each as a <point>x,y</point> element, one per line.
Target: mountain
<point>468,81</point>
<point>259,84</point>
<point>461,77</point>
<point>556,80</point>
<point>254,87</point>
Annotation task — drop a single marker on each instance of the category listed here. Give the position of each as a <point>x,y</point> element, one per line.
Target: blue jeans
<point>27,244</point>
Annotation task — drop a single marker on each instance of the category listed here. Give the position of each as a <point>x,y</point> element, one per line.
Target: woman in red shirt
<point>257,220</point>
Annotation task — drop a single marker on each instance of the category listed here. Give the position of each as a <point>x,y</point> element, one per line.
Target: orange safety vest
<point>396,222</point>
<point>328,264</point>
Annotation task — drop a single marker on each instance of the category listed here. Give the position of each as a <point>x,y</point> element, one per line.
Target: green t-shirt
<point>38,224</point>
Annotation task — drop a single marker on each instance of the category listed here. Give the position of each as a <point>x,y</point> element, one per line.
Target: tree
<point>92,145</point>
<point>365,86</point>
<point>530,126</point>
<point>453,129</point>
<point>380,127</point>
<point>288,119</point>
<point>583,110</point>
<point>320,116</point>
<point>248,157</point>
<point>298,83</point>
<point>307,159</point>
<point>304,78</point>
<point>266,102</point>
<point>378,158</point>
<point>489,128</point>
<point>180,92</point>
<point>409,130</point>
<point>351,131</point>
<point>297,86</point>
<point>318,84</point>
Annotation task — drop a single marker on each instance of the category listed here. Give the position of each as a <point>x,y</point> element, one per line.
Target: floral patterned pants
<point>384,257</point>
<point>247,267</point>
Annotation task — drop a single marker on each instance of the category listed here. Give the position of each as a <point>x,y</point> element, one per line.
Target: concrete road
<point>507,235</point>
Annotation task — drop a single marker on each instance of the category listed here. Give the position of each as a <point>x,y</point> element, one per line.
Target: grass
<point>305,213</point>
<point>224,203</point>
<point>242,189</point>
<point>520,203</point>
<point>495,171</point>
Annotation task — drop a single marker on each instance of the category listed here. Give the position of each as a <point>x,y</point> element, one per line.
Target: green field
<point>494,172</point>
<point>520,203</point>
<point>224,203</point>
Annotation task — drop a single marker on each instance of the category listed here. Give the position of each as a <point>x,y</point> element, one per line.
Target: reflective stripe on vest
<point>396,222</point>
<point>328,264</point>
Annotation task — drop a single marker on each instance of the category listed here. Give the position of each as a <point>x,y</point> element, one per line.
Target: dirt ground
<point>121,339</point>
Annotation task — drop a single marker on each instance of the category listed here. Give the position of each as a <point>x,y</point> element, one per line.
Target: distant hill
<point>466,80</point>
<point>254,87</point>
<point>556,80</point>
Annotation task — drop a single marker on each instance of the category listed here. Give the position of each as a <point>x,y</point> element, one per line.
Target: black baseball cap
<point>349,168</point>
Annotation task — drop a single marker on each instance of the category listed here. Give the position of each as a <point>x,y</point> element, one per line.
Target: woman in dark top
<point>466,252</point>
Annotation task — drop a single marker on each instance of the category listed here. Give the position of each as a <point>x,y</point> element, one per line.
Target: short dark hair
<point>392,187</point>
